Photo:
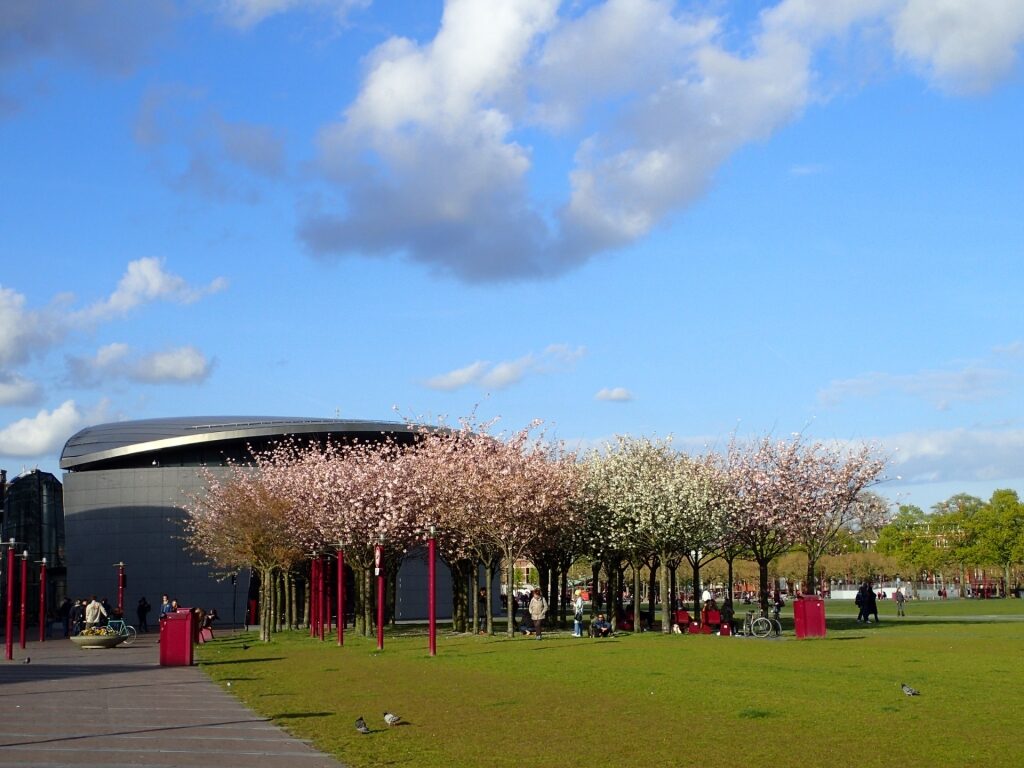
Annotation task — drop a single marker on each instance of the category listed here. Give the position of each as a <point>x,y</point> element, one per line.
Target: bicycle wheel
<point>778,628</point>
<point>129,633</point>
<point>761,627</point>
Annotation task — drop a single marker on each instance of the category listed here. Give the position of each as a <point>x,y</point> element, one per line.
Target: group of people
<point>84,613</point>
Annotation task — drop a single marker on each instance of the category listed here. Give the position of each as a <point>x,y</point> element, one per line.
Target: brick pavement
<point>120,708</point>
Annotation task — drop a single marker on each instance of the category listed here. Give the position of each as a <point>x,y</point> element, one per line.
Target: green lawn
<point>652,699</point>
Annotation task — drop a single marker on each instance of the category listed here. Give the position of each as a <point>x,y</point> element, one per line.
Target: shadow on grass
<point>240,661</point>
<point>297,715</point>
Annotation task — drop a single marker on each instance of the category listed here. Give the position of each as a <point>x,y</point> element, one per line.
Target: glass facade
<point>34,518</point>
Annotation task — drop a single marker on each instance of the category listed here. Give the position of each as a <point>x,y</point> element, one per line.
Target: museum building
<point>125,488</point>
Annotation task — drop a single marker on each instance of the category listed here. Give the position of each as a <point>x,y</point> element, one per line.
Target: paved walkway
<point>119,707</point>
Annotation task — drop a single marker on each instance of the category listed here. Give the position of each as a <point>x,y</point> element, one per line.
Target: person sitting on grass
<point>601,627</point>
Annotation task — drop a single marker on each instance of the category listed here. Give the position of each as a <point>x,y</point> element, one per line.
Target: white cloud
<point>115,361</point>
<point>964,46</point>
<point>614,395</point>
<point>941,388</point>
<point>17,390</point>
<point>648,97</point>
<point>182,365</point>
<point>555,358</point>
<point>146,280</point>
<point>245,14</point>
<point>44,433</point>
<point>24,332</point>
<point>956,455</point>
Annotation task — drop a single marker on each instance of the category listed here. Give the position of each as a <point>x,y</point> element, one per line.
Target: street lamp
<point>432,589</point>
<point>42,600</point>
<point>9,633</point>
<point>120,588</point>
<point>24,595</point>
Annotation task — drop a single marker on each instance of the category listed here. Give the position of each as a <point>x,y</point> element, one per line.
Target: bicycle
<point>127,631</point>
<point>763,625</point>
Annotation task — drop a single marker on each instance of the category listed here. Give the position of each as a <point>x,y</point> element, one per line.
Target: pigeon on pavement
<point>28,660</point>
<point>908,690</point>
<point>361,726</point>
<point>391,718</point>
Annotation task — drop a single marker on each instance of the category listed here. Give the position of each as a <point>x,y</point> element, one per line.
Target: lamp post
<point>378,567</point>
<point>311,588</point>
<point>9,627</point>
<point>120,588</point>
<point>340,593</point>
<point>42,600</point>
<point>324,604</point>
<point>24,595</point>
<point>432,590</point>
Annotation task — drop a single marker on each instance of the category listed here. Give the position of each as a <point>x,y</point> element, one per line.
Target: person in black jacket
<point>142,612</point>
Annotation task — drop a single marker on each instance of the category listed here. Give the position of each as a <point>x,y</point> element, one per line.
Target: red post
<point>325,616</point>
<point>340,596</point>
<point>378,563</point>
<point>432,591</point>
<point>24,596</point>
<point>42,601</point>
<point>120,589</point>
<point>9,634</point>
<point>314,600</point>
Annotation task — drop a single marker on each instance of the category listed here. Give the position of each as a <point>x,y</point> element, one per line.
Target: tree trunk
<point>563,596</point>
<point>728,562</point>
<point>762,575</point>
<point>810,588</point>
<point>306,601</point>
<point>652,589</point>
<point>637,622</point>
<point>667,596</point>
<point>488,580</point>
<point>696,586</point>
<point>673,586</point>
<point>266,588</point>
<point>613,594</point>
<point>369,602</point>
<point>510,580</point>
<point>474,591</point>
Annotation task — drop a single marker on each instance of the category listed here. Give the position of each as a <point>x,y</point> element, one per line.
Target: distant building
<point>125,486</point>
<point>33,515</point>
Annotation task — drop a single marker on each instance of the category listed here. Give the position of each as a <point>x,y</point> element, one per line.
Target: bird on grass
<point>361,726</point>
<point>908,690</point>
<point>391,718</point>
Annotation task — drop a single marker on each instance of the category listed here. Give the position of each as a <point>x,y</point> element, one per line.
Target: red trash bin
<point>176,639</point>
<point>809,617</point>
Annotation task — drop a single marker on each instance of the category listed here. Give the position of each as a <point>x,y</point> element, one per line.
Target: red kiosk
<point>809,617</point>
<point>176,638</point>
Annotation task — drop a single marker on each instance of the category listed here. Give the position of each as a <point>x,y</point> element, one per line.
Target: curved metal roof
<point>124,438</point>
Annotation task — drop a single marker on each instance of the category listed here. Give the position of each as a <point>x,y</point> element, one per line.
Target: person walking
<point>77,617</point>
<point>538,610</point>
<point>64,614</point>
<point>142,613</point>
<point>577,618</point>
<point>900,599</point>
<point>870,603</point>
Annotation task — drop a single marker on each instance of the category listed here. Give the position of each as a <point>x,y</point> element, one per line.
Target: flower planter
<point>97,641</point>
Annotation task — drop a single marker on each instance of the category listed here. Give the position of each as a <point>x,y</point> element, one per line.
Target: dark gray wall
<point>136,516</point>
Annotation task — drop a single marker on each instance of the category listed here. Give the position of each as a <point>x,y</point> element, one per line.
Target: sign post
<point>378,570</point>
<point>432,590</point>
<point>24,596</point>
<point>42,601</point>
<point>340,595</point>
<point>9,627</point>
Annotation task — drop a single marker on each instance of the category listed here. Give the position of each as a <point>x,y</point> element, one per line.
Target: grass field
<point>654,699</point>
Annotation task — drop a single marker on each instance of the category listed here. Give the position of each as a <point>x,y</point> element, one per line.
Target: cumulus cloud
<point>24,332</point>
<point>15,389</point>
<point>486,375</point>
<point>146,280</point>
<point>956,455</point>
<point>183,365</point>
<point>44,433</point>
<point>614,395</point>
<point>432,159</point>
<point>963,46</point>
<point>245,14</point>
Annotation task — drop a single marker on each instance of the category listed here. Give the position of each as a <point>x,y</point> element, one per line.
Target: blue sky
<point>630,216</point>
